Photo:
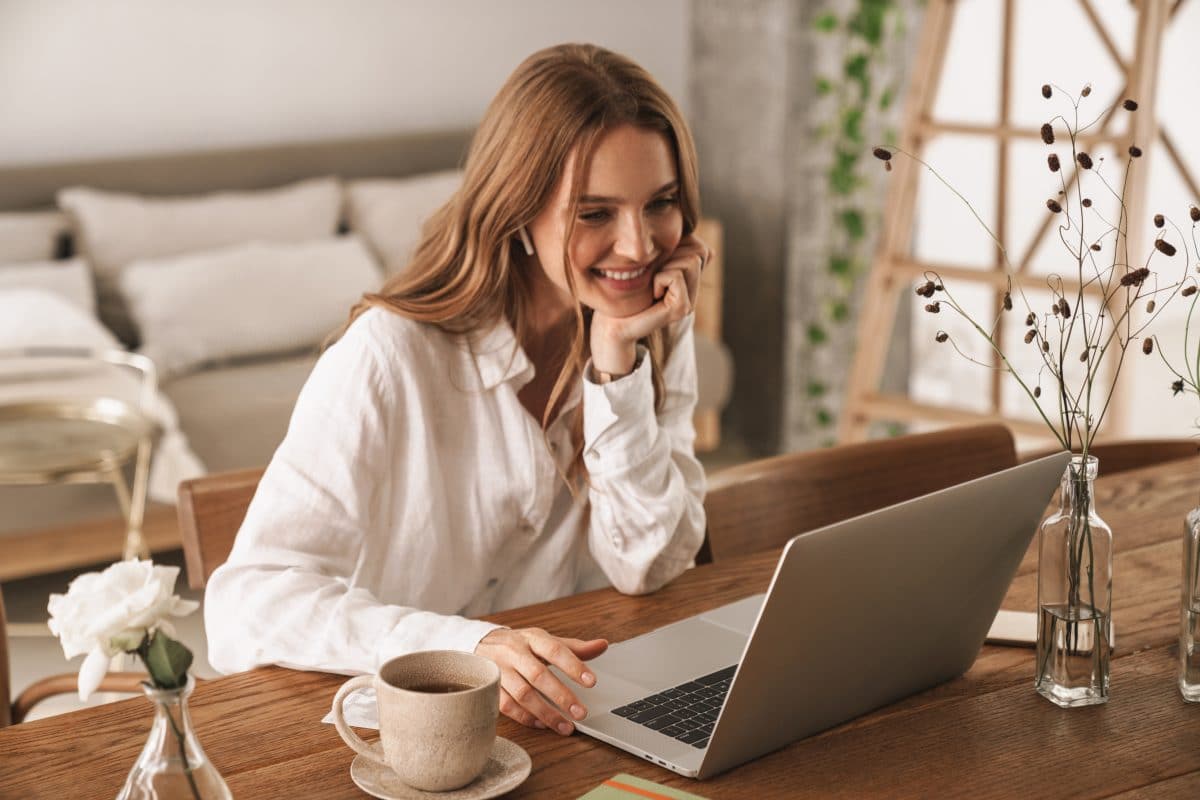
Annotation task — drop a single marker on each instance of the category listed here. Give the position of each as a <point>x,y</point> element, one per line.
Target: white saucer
<point>506,769</point>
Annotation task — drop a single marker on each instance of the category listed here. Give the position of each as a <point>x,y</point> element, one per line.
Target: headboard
<point>27,188</point>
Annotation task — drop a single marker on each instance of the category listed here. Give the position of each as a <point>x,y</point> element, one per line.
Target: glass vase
<point>173,764</point>
<point>1189,610</point>
<point>1074,641</point>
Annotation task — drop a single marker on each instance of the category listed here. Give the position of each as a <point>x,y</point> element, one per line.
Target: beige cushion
<point>235,416</point>
<point>31,236</point>
<point>245,300</point>
<point>388,213</point>
<point>70,280</point>
<point>37,318</point>
<point>114,229</point>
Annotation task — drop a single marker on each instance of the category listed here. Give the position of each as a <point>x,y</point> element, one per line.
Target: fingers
<point>556,651</point>
<point>533,704</point>
<point>671,286</point>
<point>693,277</point>
<point>514,711</point>
<point>586,649</point>
<point>529,689</point>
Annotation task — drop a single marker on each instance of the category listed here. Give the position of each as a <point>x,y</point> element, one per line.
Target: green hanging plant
<point>865,31</point>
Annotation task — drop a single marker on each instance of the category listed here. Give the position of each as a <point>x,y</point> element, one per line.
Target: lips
<point>623,275</point>
<point>624,280</point>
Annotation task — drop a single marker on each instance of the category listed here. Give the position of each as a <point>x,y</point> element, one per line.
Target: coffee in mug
<point>437,717</point>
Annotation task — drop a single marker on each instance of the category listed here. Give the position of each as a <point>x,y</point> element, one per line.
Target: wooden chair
<point>14,712</point>
<point>211,510</point>
<point>1125,454</point>
<point>760,505</point>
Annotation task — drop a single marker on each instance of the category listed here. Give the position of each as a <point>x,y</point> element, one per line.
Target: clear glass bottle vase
<point>1074,641</point>
<point>173,764</point>
<point>1189,610</point>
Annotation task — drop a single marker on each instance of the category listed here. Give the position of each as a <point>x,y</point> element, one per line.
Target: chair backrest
<point>1126,454</point>
<point>211,510</point>
<point>761,504</point>
<point>5,689</point>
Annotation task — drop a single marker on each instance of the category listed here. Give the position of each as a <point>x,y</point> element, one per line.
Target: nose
<point>634,241</point>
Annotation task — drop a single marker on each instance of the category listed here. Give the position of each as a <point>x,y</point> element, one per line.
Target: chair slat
<point>5,688</point>
<point>760,505</point>
<point>1122,455</point>
<point>211,510</point>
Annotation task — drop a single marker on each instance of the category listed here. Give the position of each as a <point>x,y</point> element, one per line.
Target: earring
<point>525,242</point>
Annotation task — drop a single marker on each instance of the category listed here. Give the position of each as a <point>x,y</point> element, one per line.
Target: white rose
<point>110,612</point>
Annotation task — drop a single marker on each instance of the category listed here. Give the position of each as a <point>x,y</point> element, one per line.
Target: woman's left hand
<point>676,285</point>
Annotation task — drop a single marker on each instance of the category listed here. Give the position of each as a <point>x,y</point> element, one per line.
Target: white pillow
<point>70,280</point>
<point>37,318</point>
<point>389,212</point>
<point>114,229</point>
<point>31,235</point>
<point>245,300</point>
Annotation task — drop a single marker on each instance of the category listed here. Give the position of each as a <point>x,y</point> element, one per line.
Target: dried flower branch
<point>1188,381</point>
<point>1099,316</point>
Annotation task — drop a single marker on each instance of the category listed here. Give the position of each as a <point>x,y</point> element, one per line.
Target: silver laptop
<point>859,614</point>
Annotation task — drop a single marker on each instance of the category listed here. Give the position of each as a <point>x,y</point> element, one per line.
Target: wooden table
<point>986,734</point>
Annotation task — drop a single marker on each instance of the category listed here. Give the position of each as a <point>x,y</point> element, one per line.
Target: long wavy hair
<point>469,270</point>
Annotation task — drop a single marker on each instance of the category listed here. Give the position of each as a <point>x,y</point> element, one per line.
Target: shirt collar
<point>499,357</point>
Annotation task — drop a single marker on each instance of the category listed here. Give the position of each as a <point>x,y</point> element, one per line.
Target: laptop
<point>858,615</point>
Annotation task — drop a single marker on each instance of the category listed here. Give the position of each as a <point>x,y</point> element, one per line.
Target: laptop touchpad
<point>674,654</point>
<point>738,617</point>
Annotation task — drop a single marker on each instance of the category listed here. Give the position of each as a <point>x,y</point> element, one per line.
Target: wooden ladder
<point>894,271</point>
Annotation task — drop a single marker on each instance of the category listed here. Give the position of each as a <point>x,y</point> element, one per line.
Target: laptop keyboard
<point>686,712</point>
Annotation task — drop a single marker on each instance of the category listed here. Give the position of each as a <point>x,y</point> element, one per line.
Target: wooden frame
<point>211,510</point>
<point>894,271</point>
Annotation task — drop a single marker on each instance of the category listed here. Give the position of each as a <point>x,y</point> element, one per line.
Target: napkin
<point>360,710</point>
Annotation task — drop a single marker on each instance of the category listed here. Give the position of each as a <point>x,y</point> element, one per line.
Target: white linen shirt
<point>414,491</point>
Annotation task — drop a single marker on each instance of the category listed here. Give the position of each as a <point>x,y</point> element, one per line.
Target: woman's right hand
<point>524,656</point>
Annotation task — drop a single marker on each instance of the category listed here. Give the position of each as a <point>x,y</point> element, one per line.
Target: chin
<point>618,308</point>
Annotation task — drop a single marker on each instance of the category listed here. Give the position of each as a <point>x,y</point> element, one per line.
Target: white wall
<point>89,78</point>
<point>1055,45</point>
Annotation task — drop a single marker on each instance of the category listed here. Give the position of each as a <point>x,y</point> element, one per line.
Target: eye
<point>595,216</point>
<point>664,203</point>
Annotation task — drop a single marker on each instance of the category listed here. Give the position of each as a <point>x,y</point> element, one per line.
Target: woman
<point>506,422</point>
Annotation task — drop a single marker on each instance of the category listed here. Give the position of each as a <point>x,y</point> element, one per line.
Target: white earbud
<point>525,241</point>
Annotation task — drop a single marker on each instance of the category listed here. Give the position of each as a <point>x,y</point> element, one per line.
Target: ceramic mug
<point>437,717</point>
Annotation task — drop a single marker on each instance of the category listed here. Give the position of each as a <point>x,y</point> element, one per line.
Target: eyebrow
<point>595,198</point>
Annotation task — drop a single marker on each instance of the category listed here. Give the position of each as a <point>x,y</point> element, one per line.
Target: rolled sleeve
<point>646,487</point>
<point>619,424</point>
<point>424,630</point>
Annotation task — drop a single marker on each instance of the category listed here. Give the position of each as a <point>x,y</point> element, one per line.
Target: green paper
<point>612,790</point>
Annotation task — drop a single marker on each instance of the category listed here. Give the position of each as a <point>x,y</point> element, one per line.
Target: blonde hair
<point>468,270</point>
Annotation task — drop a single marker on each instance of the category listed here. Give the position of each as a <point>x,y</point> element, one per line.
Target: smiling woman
<point>505,422</point>
<point>624,245</point>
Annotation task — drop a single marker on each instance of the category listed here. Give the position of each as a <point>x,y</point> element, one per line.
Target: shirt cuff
<point>619,422</point>
<point>424,630</point>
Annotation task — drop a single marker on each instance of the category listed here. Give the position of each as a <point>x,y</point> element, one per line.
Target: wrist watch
<point>601,377</point>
